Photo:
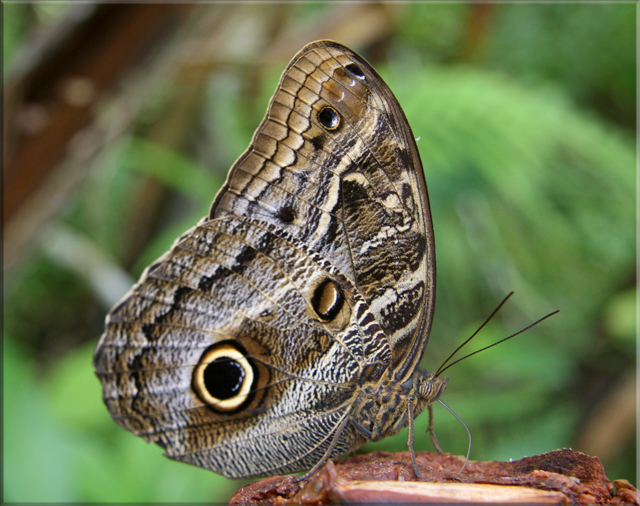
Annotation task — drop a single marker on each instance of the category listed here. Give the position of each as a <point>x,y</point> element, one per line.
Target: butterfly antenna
<point>442,368</point>
<point>468,432</point>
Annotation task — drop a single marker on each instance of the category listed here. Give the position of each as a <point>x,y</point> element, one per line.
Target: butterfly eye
<point>327,300</point>
<point>223,377</point>
<point>355,70</point>
<point>329,118</point>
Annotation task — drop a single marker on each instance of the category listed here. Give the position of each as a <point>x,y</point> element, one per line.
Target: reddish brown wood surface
<point>558,477</point>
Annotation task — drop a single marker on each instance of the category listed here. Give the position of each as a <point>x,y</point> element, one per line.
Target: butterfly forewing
<point>356,193</point>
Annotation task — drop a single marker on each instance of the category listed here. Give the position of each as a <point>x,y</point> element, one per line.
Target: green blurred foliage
<point>13,32</point>
<point>529,154</point>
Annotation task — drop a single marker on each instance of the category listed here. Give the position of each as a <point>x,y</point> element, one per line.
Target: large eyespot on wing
<point>327,300</point>
<point>225,379</point>
<point>334,162</point>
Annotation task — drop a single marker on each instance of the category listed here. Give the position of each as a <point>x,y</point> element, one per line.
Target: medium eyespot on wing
<point>240,343</point>
<point>334,162</point>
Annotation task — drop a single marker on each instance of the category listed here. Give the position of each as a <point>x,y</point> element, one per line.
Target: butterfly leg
<point>332,446</point>
<point>410,441</point>
<point>434,439</point>
<point>364,432</point>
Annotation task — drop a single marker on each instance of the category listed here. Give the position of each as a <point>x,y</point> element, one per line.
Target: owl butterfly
<point>286,327</point>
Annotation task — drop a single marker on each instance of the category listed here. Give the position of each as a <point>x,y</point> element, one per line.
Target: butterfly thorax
<point>382,409</point>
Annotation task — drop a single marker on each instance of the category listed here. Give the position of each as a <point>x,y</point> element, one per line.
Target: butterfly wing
<point>355,193</point>
<point>309,276</point>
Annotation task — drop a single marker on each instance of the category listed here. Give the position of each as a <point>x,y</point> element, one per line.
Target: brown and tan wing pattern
<point>238,280</point>
<point>244,348</point>
<point>355,193</point>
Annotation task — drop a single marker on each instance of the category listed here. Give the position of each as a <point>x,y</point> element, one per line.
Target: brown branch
<point>558,477</point>
<point>81,69</point>
<point>53,95</point>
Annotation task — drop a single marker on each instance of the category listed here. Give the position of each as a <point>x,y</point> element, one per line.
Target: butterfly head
<point>430,387</point>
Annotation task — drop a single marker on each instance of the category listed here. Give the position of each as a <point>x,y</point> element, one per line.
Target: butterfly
<point>286,327</point>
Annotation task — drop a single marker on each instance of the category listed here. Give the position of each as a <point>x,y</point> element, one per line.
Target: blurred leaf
<point>226,117</point>
<point>164,240</point>
<point>620,319</point>
<point>50,12</point>
<point>172,169</point>
<point>36,456</point>
<point>14,26</point>
<point>533,435</point>
<point>587,47</point>
<point>441,28</point>
<point>75,392</point>
<point>32,311</point>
